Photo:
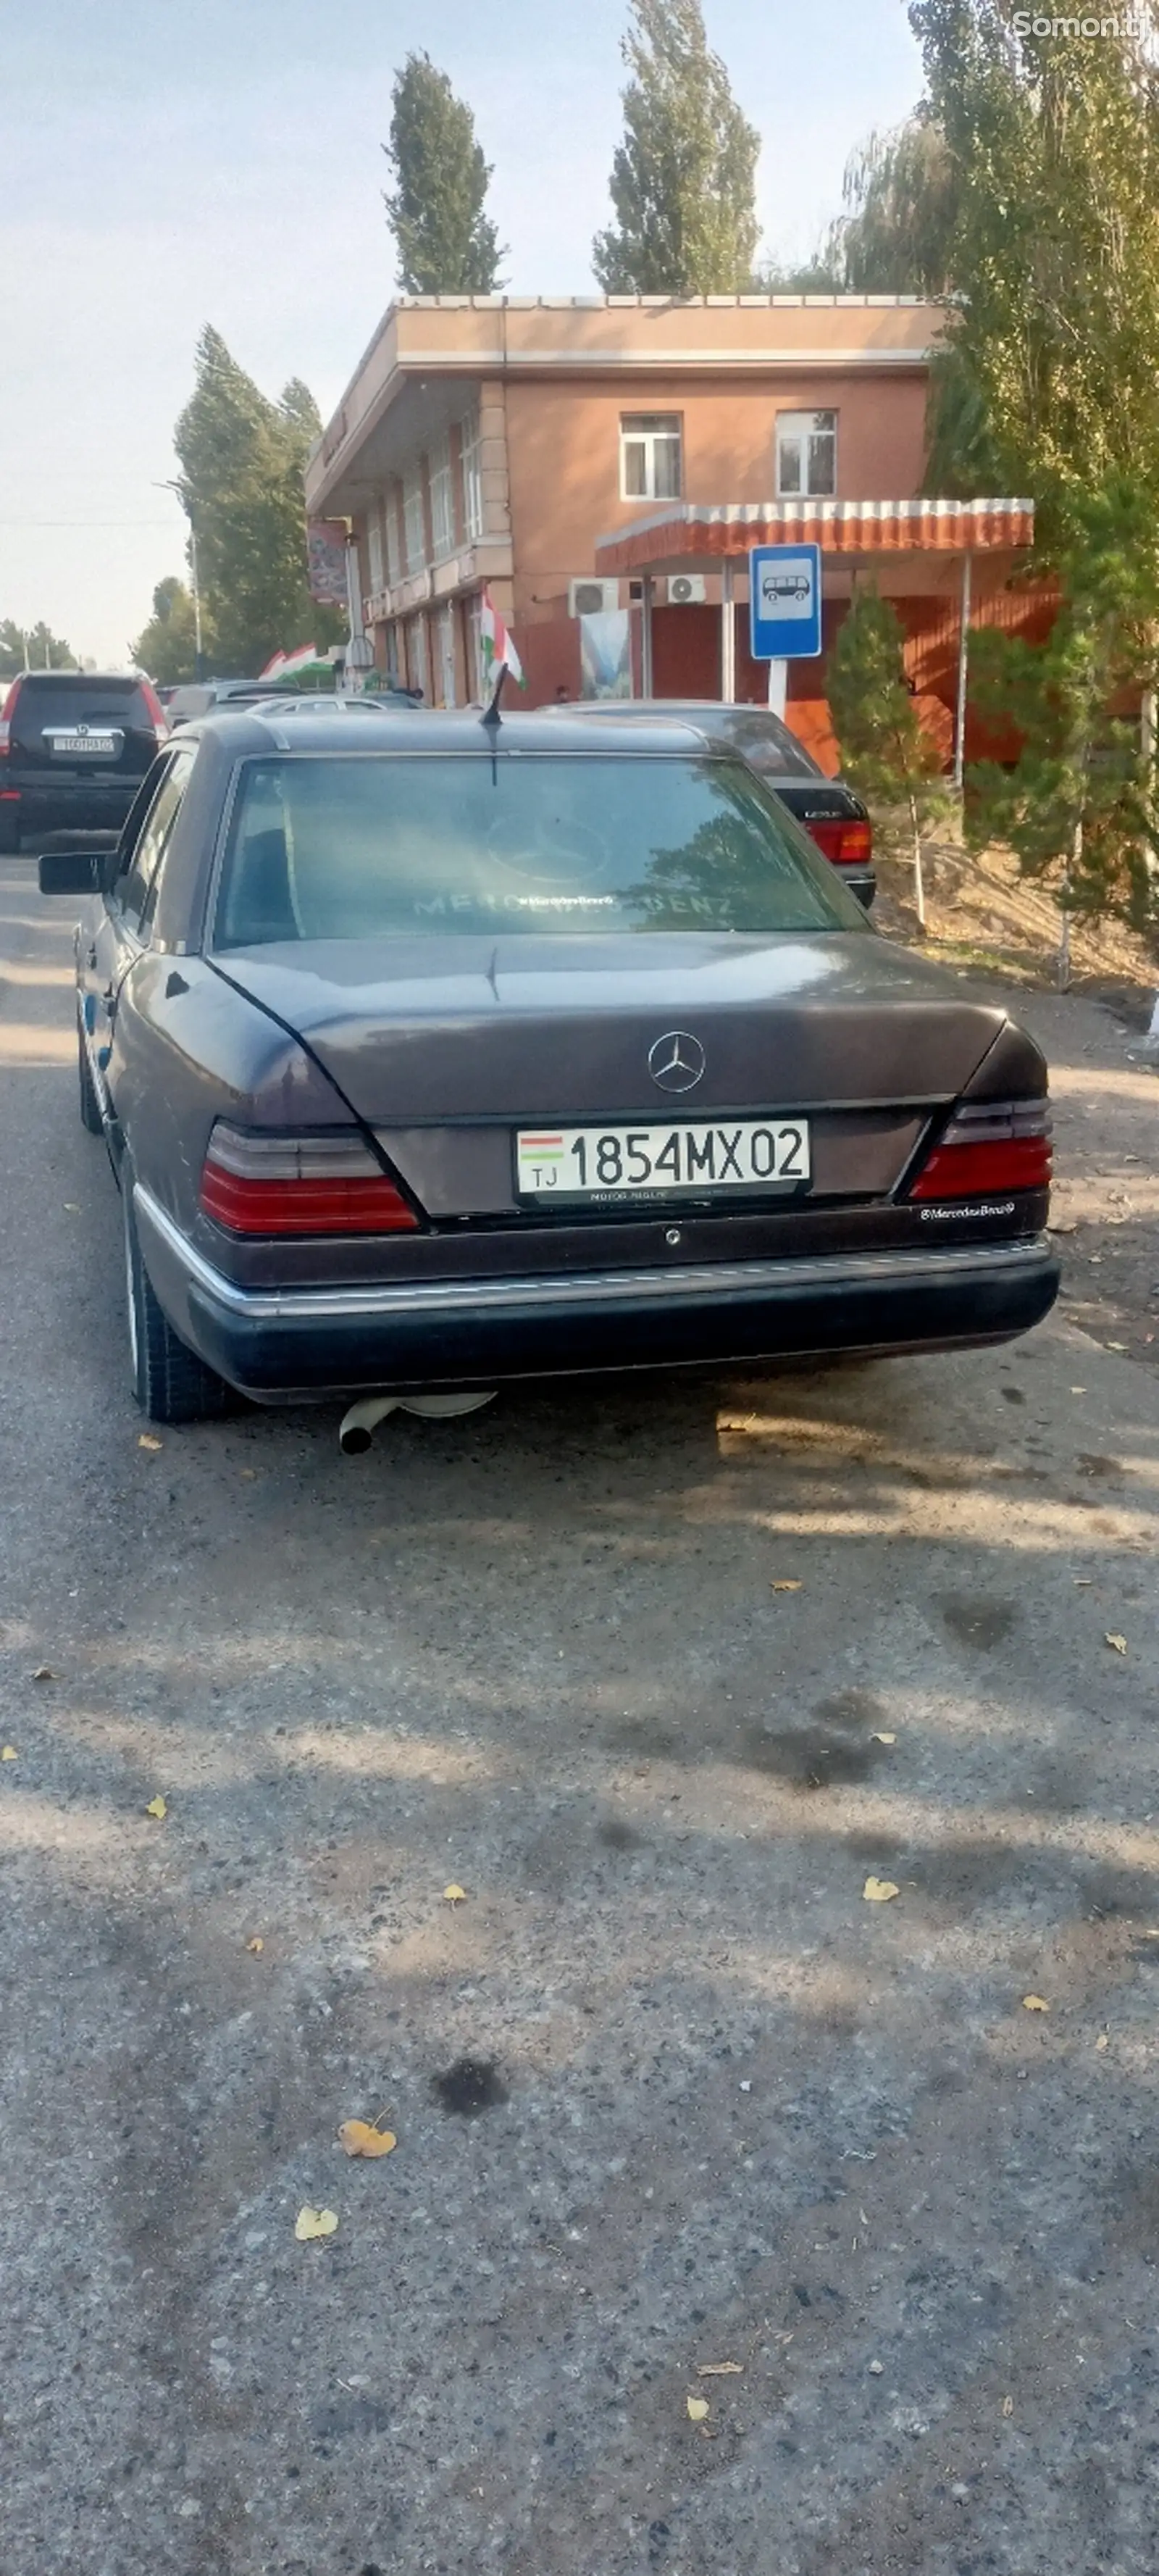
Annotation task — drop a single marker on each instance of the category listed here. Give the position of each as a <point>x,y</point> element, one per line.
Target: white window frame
<point>414,521</point>
<point>393,553</point>
<point>645,433</point>
<point>795,433</point>
<point>472,477</point>
<point>375,567</point>
<point>442,502</point>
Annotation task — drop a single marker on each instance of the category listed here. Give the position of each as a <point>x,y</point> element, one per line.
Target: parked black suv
<point>74,747</point>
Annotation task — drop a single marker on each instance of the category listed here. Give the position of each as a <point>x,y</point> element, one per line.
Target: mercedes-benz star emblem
<point>676,1061</point>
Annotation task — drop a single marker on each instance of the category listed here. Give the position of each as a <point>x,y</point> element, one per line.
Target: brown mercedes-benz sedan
<point>433,1052</point>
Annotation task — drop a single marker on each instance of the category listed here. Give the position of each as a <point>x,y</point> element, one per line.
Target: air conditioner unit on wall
<point>687,590</point>
<point>591,598</point>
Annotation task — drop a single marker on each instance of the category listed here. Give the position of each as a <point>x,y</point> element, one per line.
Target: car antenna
<point>491,715</point>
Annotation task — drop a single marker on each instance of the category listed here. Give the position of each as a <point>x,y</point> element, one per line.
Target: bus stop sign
<point>784,603</point>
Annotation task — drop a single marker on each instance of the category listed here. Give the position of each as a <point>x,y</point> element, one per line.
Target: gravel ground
<point>668,2091</point>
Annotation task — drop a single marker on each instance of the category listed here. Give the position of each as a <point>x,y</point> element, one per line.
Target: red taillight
<point>989,1145</point>
<point>7,711</point>
<point>848,845</point>
<point>325,1184</point>
<point>156,712</point>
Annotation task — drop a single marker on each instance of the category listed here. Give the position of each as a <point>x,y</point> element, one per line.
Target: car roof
<point>260,728</point>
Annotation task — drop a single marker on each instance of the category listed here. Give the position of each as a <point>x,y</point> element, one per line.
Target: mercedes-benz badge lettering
<point>676,1061</point>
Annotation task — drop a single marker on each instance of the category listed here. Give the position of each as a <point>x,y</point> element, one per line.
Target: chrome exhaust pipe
<point>358,1426</point>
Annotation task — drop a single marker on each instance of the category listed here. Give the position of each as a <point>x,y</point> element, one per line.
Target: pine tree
<point>683,178</point>
<point>242,462</point>
<point>447,244</point>
<point>884,753</point>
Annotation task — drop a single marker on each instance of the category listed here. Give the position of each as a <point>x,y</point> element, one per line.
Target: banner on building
<point>606,654</point>
<point>326,561</point>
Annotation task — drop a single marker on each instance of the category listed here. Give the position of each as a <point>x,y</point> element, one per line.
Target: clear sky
<point>172,162</point>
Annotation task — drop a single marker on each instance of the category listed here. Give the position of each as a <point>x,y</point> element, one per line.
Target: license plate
<point>608,1163</point>
<point>82,746</point>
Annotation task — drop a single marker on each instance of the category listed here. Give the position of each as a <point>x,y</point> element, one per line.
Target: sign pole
<point>727,635</point>
<point>778,687</point>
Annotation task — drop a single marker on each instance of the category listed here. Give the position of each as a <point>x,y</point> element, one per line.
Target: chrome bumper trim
<point>435,1297</point>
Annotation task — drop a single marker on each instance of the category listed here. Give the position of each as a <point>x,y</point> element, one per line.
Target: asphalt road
<point>723,2109</point>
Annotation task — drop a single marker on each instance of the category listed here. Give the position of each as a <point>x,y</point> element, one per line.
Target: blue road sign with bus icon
<point>784,603</point>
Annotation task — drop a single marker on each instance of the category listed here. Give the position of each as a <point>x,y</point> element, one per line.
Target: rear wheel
<point>90,1107</point>
<point>9,830</point>
<point>169,1381</point>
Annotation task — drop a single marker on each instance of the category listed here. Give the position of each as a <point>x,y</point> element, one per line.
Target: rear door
<point>127,910</point>
<point>68,725</point>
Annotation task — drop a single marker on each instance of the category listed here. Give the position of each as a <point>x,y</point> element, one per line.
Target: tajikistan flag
<point>285,666</point>
<point>495,646</point>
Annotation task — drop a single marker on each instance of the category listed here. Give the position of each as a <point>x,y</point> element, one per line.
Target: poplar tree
<point>683,178</point>
<point>446,241</point>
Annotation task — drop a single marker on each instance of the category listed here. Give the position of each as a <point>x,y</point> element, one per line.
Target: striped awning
<point>711,531</point>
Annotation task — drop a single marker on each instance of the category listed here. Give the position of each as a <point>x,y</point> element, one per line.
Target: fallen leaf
<point>1113,1639</point>
<point>248,1475</point>
<point>1008,2406</point>
<point>697,2409</point>
<point>314,2222</point>
<point>454,1894</point>
<point>44,1673</point>
<point>149,1440</point>
<point>786,1585</point>
<point>8,1753</point>
<point>1034,2003</point>
<point>157,1807</point>
<point>878,1891</point>
<point>719,2369</point>
<point>882,1738</point>
<point>257,1945</point>
<point>1116,1346</point>
<point>1102,2041</point>
<point>365,2138</point>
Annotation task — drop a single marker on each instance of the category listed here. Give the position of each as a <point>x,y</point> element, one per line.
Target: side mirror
<point>72,871</point>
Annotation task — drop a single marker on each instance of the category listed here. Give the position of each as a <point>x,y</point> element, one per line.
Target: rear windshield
<point>770,748</point>
<point>71,697</point>
<point>365,847</point>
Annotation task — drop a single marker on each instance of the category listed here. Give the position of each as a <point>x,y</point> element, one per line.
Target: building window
<point>442,502</point>
<point>472,479</point>
<point>806,454</point>
<point>650,456</point>
<point>374,548</point>
<point>390,522</point>
<point>413,520</point>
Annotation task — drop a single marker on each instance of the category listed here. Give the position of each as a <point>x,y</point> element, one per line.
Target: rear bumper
<point>278,1345</point>
<point>48,804</point>
<point>859,881</point>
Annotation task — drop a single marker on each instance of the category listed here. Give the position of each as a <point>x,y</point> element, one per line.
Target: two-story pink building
<point>579,456</point>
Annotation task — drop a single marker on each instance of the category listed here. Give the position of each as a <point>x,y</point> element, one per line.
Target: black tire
<point>169,1381</point>
<point>9,833</point>
<point>90,1107</point>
